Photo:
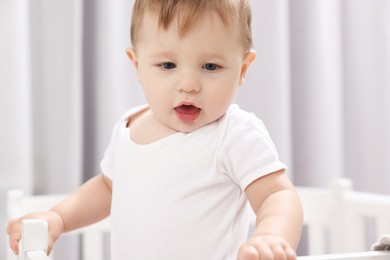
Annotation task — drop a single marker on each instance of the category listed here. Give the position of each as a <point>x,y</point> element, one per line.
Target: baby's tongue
<point>187,113</point>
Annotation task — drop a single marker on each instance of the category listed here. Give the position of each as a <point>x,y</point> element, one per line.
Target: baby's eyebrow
<point>206,56</point>
<point>163,54</point>
<point>214,56</point>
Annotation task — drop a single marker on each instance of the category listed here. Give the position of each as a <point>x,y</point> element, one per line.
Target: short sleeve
<point>106,164</point>
<point>246,150</point>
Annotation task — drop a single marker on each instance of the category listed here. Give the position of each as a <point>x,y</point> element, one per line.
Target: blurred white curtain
<point>366,45</point>
<point>55,29</point>
<point>340,84</point>
<point>64,82</point>
<point>16,151</point>
<point>321,84</point>
<point>317,91</point>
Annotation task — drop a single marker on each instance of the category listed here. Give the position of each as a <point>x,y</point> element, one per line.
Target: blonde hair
<point>232,12</point>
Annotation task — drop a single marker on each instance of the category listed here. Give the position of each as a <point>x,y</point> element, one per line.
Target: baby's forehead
<point>207,36</point>
<point>185,22</point>
<point>208,24</point>
<point>184,13</point>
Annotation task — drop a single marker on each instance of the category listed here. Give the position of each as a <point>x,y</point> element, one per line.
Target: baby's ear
<point>249,57</point>
<point>132,56</point>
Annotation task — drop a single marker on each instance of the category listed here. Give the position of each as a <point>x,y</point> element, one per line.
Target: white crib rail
<point>33,246</point>
<point>371,255</point>
<point>335,214</point>
<point>92,236</point>
<point>335,217</point>
<point>34,240</point>
<point>36,255</point>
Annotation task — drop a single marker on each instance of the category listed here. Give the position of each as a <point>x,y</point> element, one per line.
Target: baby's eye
<point>210,66</point>
<point>168,65</point>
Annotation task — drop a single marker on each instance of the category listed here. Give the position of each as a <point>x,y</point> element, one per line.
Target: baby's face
<point>190,80</point>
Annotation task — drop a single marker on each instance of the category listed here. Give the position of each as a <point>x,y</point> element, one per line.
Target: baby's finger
<point>279,252</point>
<point>49,248</point>
<point>264,252</point>
<point>291,254</point>
<point>14,238</point>
<point>14,245</point>
<point>247,252</point>
<point>10,225</point>
<point>14,233</point>
<point>50,245</point>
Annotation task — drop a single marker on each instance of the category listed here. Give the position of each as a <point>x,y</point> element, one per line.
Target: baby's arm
<point>279,219</point>
<point>89,204</point>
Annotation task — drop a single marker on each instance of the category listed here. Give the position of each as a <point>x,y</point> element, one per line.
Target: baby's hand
<point>54,221</point>
<point>266,248</point>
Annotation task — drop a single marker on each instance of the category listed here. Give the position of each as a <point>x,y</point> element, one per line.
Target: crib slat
<point>373,255</point>
<point>317,234</point>
<point>34,240</point>
<point>91,241</point>
<point>36,255</point>
<point>382,226</point>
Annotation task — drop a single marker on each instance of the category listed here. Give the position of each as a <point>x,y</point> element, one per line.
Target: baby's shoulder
<point>132,112</point>
<point>239,120</point>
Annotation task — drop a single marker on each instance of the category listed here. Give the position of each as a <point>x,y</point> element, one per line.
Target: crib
<point>340,220</point>
<point>34,240</point>
<point>33,246</point>
<point>92,237</point>
<point>335,222</point>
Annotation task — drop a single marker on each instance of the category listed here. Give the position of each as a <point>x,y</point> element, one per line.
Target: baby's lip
<point>187,112</point>
<point>186,104</point>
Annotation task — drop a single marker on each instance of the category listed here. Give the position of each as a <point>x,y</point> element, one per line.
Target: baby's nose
<point>188,83</point>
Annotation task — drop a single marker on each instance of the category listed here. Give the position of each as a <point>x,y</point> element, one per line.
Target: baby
<point>179,171</point>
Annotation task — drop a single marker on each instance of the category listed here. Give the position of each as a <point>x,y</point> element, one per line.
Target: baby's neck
<point>146,129</point>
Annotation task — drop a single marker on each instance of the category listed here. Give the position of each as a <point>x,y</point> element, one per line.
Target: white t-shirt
<point>182,197</point>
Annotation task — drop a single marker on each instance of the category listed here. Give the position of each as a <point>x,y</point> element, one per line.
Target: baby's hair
<point>232,12</point>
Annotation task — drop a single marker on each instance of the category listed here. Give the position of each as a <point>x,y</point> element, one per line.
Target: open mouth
<point>187,112</point>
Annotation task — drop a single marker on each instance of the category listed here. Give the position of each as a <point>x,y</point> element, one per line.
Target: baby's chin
<point>187,128</point>
<point>191,127</point>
